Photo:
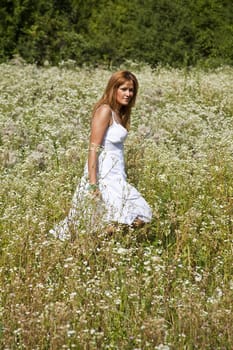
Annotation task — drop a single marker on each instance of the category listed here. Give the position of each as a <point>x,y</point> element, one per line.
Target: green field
<point>168,286</point>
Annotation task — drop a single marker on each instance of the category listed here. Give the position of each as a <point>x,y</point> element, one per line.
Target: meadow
<point>167,286</point>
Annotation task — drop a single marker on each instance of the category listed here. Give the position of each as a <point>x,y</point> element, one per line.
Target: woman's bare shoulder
<point>103,112</point>
<point>104,108</point>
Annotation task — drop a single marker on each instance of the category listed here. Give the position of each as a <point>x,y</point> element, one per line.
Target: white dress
<point>120,202</point>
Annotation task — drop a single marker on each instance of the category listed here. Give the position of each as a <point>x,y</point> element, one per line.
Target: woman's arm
<point>99,125</point>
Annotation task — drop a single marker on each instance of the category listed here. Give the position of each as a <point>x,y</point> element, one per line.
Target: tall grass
<point>166,286</point>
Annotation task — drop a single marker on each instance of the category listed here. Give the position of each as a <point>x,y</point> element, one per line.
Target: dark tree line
<point>174,32</point>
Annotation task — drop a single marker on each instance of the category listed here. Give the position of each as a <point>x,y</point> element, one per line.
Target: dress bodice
<point>115,134</point>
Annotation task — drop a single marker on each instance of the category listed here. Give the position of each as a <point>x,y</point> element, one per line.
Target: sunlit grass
<point>166,286</point>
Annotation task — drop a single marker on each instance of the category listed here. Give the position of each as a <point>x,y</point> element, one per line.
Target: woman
<point>104,196</point>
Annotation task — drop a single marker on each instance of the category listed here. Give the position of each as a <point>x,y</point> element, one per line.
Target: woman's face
<point>125,93</point>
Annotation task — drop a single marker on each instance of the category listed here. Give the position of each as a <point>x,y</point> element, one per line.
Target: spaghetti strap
<point>113,119</point>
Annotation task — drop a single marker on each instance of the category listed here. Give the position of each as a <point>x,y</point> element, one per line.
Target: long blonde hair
<point>109,96</point>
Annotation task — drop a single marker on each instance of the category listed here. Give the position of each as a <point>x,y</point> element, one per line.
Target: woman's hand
<point>94,191</point>
<point>96,194</point>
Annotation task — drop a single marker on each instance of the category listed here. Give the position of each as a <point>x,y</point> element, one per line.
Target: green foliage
<point>180,32</point>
